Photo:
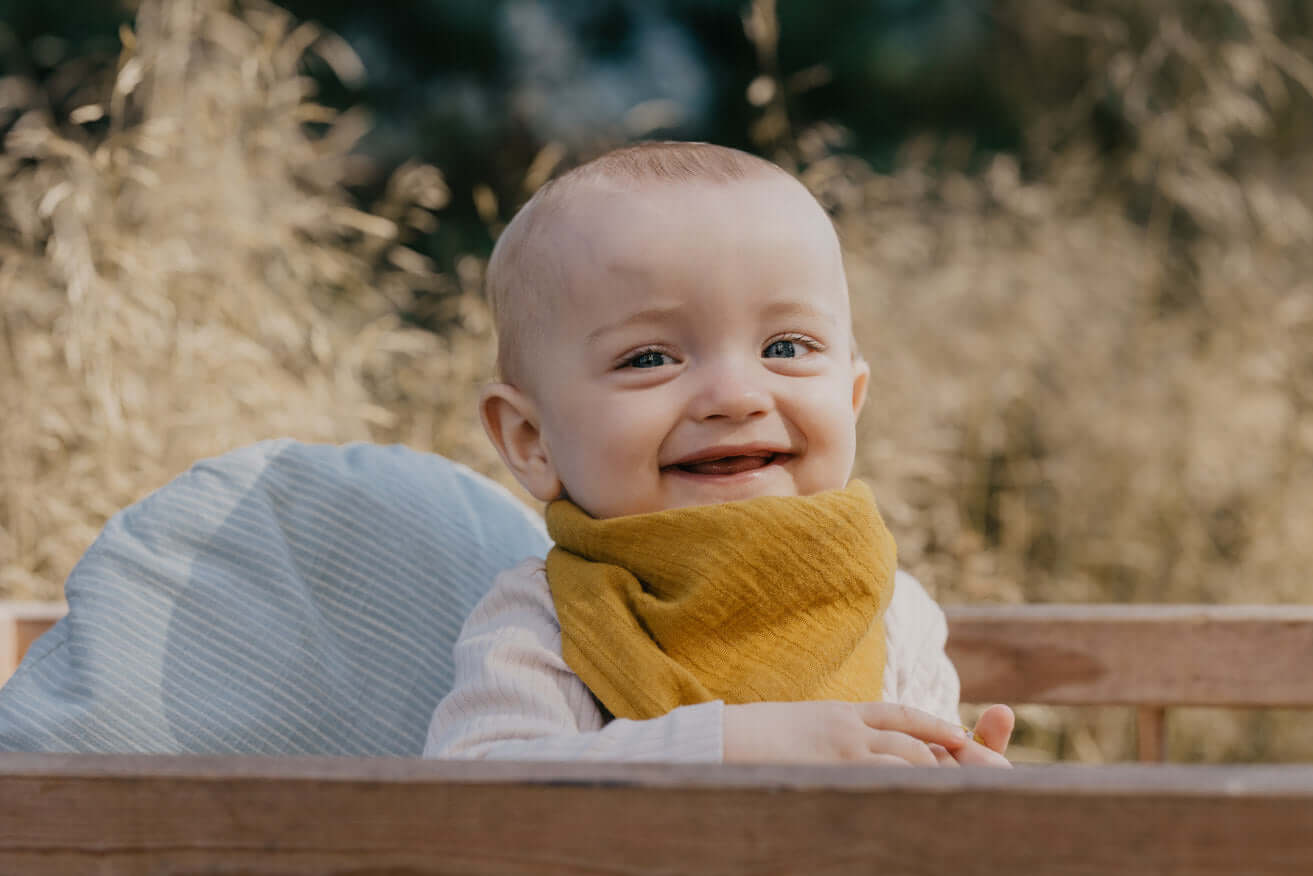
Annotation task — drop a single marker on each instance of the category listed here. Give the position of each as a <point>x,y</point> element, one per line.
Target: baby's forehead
<point>645,225</point>
<point>657,200</point>
<point>720,253</point>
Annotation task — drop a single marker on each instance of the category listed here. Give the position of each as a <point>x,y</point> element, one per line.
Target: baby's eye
<point>790,347</point>
<point>648,359</point>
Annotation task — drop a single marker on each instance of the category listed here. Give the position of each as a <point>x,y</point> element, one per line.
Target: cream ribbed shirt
<point>514,697</point>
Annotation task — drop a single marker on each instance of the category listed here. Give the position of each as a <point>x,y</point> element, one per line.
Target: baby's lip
<point>769,453</point>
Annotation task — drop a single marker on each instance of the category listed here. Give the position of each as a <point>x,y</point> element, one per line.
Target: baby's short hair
<point>524,269</point>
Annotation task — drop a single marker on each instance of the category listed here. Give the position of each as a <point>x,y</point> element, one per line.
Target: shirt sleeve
<point>515,698</point>
<point>918,672</point>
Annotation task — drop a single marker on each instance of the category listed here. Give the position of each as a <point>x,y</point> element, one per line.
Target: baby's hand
<point>830,732</point>
<point>990,739</point>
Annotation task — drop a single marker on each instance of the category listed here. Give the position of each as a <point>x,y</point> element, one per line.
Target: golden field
<point>1092,360</point>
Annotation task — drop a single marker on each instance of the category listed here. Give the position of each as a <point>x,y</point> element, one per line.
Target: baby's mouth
<point>730,465</point>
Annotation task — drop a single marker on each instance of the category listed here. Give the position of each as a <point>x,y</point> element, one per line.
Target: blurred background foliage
<point>1079,241</point>
<point>479,88</point>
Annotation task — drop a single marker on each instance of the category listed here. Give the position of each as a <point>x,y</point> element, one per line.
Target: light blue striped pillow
<point>280,599</point>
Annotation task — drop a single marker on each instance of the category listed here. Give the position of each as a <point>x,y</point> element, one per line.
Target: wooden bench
<point>133,814</point>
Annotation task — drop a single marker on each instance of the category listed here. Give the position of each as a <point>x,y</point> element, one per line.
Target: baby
<point>680,382</point>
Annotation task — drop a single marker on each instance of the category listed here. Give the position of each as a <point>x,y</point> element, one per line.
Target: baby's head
<point>673,329</point>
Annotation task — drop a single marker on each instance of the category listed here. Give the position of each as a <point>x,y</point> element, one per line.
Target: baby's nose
<point>729,394</point>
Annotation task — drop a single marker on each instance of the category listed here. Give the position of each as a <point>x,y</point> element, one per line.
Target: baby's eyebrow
<point>796,307</point>
<point>653,313</point>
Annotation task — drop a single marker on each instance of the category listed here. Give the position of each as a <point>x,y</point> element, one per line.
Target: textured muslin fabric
<point>514,698</point>
<point>281,599</point>
<point>771,599</point>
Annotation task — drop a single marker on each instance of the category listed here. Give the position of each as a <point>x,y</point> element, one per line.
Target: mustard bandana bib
<point>769,599</point>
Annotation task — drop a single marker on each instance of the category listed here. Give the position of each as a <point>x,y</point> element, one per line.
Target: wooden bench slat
<point>1169,655</point>
<point>21,624</point>
<point>1148,655</point>
<point>303,816</point>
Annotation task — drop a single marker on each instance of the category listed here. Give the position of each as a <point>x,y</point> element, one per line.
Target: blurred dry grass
<point>182,274</point>
<point>1093,361</point>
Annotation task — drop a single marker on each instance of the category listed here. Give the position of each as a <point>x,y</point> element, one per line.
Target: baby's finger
<point>886,760</point>
<point>943,756</point>
<point>975,754</point>
<point>914,751</point>
<point>914,722</point>
<point>994,728</point>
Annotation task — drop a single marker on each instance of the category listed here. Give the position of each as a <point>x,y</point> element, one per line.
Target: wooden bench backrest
<point>21,623</point>
<point>1147,655</point>
<point>1150,656</point>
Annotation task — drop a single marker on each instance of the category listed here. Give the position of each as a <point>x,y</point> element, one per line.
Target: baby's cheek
<point>836,449</point>
<point>610,479</point>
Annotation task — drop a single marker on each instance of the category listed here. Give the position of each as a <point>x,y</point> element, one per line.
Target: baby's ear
<point>861,377</point>
<point>511,420</point>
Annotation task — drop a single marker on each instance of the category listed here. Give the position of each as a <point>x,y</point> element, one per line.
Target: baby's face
<point>701,351</point>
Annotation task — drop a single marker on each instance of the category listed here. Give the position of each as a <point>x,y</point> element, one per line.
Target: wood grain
<point>1168,655</point>
<point>165,815</point>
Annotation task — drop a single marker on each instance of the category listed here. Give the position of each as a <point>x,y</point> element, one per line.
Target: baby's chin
<point>681,489</point>
<point>693,498</point>
<point>678,489</point>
